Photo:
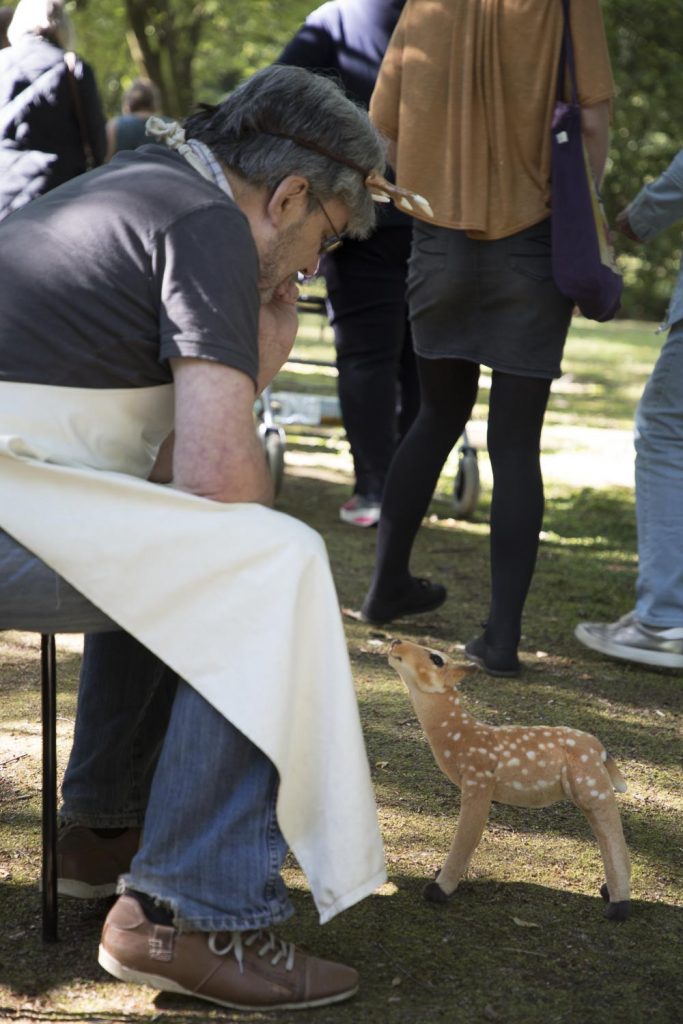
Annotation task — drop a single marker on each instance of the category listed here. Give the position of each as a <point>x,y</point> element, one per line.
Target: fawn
<point>527,766</point>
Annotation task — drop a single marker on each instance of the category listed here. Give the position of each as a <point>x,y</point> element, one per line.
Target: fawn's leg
<point>474,812</point>
<point>606,824</point>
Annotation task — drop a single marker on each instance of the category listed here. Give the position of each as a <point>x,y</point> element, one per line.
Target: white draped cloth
<point>237,599</point>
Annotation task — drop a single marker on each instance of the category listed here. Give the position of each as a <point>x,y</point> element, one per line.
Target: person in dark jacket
<point>50,111</point>
<point>366,281</point>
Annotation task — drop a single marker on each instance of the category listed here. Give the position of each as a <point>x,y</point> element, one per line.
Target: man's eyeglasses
<point>332,241</point>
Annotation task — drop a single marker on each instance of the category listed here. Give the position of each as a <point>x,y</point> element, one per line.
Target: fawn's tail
<point>616,778</point>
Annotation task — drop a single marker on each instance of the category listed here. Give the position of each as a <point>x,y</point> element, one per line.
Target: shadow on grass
<point>528,953</point>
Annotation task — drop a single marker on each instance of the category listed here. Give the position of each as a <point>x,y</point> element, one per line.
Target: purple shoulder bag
<point>582,257</point>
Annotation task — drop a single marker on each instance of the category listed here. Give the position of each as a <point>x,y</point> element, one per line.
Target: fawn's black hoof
<point>615,911</point>
<point>433,893</point>
<point>618,911</point>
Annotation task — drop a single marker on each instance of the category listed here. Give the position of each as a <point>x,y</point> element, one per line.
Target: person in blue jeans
<point>377,381</point>
<point>144,307</point>
<point>652,633</point>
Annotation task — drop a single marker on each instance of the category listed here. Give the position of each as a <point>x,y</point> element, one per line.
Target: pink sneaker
<point>360,511</point>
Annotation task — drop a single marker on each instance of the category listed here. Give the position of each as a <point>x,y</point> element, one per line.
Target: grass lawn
<point>524,940</point>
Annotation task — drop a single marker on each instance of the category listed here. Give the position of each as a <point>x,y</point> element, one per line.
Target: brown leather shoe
<point>88,865</point>
<point>241,970</point>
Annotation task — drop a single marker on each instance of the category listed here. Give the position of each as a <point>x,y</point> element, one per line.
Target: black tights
<point>517,406</point>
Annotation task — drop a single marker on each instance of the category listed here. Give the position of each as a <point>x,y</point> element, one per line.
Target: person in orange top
<point>465,95</point>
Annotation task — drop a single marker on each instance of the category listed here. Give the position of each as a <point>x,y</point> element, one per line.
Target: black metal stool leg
<point>48,674</point>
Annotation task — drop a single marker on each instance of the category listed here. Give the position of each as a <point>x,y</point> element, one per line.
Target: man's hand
<point>623,225</point>
<point>278,324</point>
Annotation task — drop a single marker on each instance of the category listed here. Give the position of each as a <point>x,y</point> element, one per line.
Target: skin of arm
<point>595,131</point>
<point>110,129</point>
<point>216,452</point>
<point>278,323</point>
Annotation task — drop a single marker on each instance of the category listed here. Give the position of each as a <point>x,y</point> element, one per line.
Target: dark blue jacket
<point>40,139</point>
<point>348,39</point>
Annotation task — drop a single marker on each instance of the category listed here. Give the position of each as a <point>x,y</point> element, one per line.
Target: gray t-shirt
<point>108,276</point>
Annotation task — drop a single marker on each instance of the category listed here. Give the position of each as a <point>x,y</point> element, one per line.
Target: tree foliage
<point>646,42</point>
<point>194,50</point>
<point>200,49</point>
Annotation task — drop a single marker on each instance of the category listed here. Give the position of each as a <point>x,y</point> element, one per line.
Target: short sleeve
<point>386,97</point>
<point>207,274</point>
<point>593,68</point>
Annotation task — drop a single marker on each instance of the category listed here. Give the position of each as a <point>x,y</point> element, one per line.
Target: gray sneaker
<point>629,639</point>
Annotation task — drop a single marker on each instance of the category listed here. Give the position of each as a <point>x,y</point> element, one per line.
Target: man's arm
<point>278,324</point>
<point>214,451</point>
<point>657,206</point>
<point>217,453</point>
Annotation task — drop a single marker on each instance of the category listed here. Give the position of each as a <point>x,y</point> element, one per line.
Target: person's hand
<point>278,324</point>
<point>623,225</point>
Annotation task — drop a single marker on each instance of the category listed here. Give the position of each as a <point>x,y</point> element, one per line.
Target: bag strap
<point>70,61</point>
<point>567,59</point>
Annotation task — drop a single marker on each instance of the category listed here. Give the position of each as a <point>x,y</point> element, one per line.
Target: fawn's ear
<point>459,672</point>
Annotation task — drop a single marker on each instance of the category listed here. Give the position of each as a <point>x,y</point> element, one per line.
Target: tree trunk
<point>163,39</point>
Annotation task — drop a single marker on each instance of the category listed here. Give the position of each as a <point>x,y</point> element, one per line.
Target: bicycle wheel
<point>466,484</point>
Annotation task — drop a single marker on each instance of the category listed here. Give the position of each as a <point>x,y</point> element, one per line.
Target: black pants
<point>378,387</point>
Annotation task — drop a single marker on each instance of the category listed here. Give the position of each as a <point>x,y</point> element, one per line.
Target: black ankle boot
<point>420,596</point>
<point>497,661</point>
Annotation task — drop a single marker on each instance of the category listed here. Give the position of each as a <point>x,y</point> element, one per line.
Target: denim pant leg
<point>124,700</point>
<point>212,848</point>
<point>34,599</point>
<point>659,489</point>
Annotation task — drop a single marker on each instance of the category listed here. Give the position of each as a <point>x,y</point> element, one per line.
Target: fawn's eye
<point>437,660</point>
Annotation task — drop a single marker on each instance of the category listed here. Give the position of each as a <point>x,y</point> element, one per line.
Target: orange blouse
<point>467,89</point>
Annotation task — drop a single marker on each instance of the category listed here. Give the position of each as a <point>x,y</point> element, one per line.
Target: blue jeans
<point>659,489</point>
<point>149,749</point>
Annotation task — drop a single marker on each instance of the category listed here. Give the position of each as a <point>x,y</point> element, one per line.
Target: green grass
<point>524,940</point>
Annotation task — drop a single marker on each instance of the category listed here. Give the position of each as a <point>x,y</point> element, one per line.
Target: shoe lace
<point>270,944</point>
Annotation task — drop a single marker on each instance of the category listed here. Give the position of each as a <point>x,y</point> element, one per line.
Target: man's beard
<point>272,262</point>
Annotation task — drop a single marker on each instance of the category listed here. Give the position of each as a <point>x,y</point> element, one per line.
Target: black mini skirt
<point>489,302</point>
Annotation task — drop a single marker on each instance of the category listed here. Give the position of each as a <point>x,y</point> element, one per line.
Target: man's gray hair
<point>288,121</point>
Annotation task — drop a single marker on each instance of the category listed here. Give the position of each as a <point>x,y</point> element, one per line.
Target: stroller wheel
<point>466,485</point>
<point>274,441</point>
